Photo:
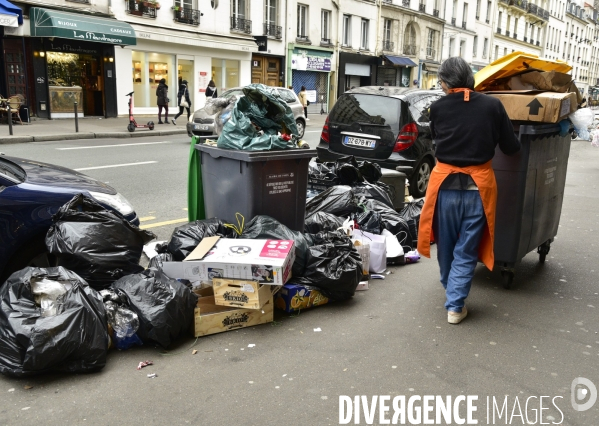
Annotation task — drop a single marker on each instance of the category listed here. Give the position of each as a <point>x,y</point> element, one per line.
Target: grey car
<point>201,123</point>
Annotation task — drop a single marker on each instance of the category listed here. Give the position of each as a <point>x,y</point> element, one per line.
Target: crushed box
<point>265,261</point>
<point>242,293</point>
<point>544,107</point>
<point>294,297</point>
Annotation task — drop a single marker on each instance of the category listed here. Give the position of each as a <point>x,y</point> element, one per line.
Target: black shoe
<point>160,122</point>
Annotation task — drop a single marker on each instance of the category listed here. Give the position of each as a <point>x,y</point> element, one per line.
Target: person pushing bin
<point>459,210</point>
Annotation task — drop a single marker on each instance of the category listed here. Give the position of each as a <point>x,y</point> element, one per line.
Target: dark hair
<point>456,72</point>
<point>163,81</point>
<point>303,88</point>
<point>183,81</point>
<point>211,83</point>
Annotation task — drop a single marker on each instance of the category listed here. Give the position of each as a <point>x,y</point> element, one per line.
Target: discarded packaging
<point>545,107</point>
<point>242,293</point>
<point>294,297</point>
<point>143,364</point>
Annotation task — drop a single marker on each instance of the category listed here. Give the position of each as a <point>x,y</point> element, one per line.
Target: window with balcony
<point>302,22</point>
<point>475,46</point>
<point>464,15</point>
<point>409,47</point>
<point>364,34</point>
<point>489,8</point>
<point>141,8</point>
<point>387,33</point>
<point>462,48</point>
<point>496,52</point>
<point>239,14</point>
<point>431,43</point>
<point>346,37</point>
<point>271,17</point>
<point>477,10</point>
<point>485,48</point>
<point>325,26</point>
<point>185,12</point>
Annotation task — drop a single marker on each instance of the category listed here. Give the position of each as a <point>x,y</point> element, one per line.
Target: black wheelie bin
<point>530,193</point>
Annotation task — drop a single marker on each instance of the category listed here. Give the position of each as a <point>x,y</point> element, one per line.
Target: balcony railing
<point>436,13</point>
<point>520,4</point>
<point>464,25</point>
<point>422,7</point>
<point>140,8</point>
<point>325,41</point>
<point>273,30</point>
<point>532,41</point>
<point>405,3</point>
<point>409,49</point>
<point>515,35</point>
<point>79,1</point>
<point>186,15</point>
<point>239,24</point>
<point>538,43</point>
<point>525,39</point>
<point>505,1</point>
<point>498,30</point>
<point>486,21</point>
<point>453,21</point>
<point>507,33</point>
<point>388,45</point>
<point>430,52</point>
<point>532,8</point>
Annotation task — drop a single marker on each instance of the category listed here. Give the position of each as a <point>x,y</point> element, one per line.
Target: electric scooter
<point>132,123</point>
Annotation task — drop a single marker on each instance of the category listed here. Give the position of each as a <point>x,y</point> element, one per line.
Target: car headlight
<point>117,202</point>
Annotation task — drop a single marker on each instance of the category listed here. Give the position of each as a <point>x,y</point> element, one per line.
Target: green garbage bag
<point>261,106</point>
<point>195,193</point>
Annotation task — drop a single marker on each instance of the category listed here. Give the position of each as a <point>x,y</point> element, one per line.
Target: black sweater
<point>466,133</point>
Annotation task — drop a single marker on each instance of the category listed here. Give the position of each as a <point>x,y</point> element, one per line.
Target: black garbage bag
<point>265,227</point>
<point>374,192</point>
<point>333,266</point>
<point>321,221</point>
<point>72,338</point>
<point>392,222</point>
<point>185,238</point>
<point>338,200</point>
<point>97,244</point>
<point>348,174</point>
<point>370,171</point>
<point>164,306</point>
<point>411,214</point>
<point>369,221</point>
<point>157,261</point>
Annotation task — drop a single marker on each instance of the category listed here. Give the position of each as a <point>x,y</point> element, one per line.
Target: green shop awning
<point>75,26</point>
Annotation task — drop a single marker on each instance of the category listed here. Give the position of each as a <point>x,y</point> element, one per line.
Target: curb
<point>101,135</point>
<point>116,135</point>
<point>15,139</point>
<point>64,137</point>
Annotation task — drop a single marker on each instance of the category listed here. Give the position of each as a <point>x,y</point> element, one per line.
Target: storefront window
<point>148,69</point>
<point>225,73</point>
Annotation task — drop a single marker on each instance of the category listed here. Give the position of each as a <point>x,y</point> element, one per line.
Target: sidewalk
<point>89,128</point>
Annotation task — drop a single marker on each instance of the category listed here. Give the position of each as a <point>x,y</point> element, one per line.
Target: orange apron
<point>484,177</point>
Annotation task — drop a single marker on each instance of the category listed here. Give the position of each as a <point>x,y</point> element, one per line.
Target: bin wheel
<point>507,277</point>
<point>131,127</point>
<point>543,249</point>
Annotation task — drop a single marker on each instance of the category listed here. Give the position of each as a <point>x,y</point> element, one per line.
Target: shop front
<point>356,70</point>
<point>397,71</point>
<point>311,68</point>
<point>74,61</point>
<point>13,64</point>
<point>429,75</point>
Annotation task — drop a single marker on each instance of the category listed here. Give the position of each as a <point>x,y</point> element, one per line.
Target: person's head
<point>211,83</point>
<point>184,82</point>
<point>455,73</point>
<point>303,88</point>
<point>163,81</point>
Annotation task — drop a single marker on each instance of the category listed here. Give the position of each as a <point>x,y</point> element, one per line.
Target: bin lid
<point>254,156</point>
<point>515,63</point>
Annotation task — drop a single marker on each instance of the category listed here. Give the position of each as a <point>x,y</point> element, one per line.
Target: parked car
<point>31,192</point>
<point>385,125</point>
<point>201,123</point>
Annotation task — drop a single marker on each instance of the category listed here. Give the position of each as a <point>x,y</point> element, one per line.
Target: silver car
<point>202,124</point>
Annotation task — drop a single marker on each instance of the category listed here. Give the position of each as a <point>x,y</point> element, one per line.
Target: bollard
<point>9,119</point>
<point>76,118</point>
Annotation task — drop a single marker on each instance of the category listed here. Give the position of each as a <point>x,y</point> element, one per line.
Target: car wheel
<point>420,178</point>
<point>301,127</point>
<point>33,254</point>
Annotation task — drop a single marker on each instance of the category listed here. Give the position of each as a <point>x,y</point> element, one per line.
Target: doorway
<point>185,72</point>
<point>266,70</point>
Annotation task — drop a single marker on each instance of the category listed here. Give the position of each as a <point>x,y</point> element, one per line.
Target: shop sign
<point>71,47</point>
<point>306,62</point>
<point>262,42</point>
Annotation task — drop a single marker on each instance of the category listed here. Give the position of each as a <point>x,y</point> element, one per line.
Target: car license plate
<point>365,143</point>
<point>198,127</point>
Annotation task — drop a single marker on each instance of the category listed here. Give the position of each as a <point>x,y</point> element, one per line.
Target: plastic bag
<point>224,115</point>
<point>165,306</point>
<point>369,221</point>
<point>46,293</point>
<point>595,140</point>
<point>378,249</point>
<point>370,171</point>
<point>265,227</point>
<point>337,200</point>
<point>185,238</point>
<point>124,322</point>
<point>582,119</point>
<point>322,221</point>
<point>74,340</point>
<point>374,192</point>
<point>411,214</point>
<point>333,265</point>
<point>392,222</point>
<point>98,245</point>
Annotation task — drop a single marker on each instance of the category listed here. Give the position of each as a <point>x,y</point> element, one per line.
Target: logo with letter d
<point>582,389</point>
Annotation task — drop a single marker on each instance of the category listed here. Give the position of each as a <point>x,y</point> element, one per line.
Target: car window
<point>11,171</point>
<point>287,95</point>
<point>370,109</point>
<point>419,106</point>
<point>229,94</point>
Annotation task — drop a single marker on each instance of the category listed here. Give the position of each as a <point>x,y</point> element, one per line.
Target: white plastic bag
<point>378,249</point>
<point>582,120</point>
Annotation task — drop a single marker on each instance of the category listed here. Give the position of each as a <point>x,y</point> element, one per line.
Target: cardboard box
<point>294,297</point>
<point>211,318</point>
<point>265,261</point>
<point>242,293</point>
<point>362,285</point>
<point>552,81</point>
<point>544,107</point>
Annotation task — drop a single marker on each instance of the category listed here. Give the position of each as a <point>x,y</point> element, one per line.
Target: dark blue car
<point>31,192</point>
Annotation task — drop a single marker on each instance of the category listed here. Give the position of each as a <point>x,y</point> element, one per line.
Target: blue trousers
<point>458,226</point>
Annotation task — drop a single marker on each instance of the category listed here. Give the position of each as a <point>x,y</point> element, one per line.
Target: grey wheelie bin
<point>530,193</point>
<point>271,183</point>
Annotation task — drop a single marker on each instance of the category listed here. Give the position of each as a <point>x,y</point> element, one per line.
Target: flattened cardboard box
<point>544,107</point>
<point>265,261</point>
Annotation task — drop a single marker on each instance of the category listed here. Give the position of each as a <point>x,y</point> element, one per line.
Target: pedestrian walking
<point>459,211</point>
<point>183,101</point>
<point>303,98</point>
<point>163,100</point>
<point>211,90</point>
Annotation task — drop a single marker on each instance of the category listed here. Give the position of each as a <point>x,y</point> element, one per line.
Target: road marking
<point>308,131</point>
<point>115,165</point>
<point>145,219</point>
<point>112,146</point>
<point>168,222</point>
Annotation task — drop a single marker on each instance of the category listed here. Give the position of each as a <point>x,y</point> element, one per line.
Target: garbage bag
<point>370,171</point>
<point>338,200</point>
<point>224,115</point>
<point>123,321</point>
<point>373,191</point>
<point>411,214</point>
<point>97,244</point>
<point>369,221</point>
<point>74,339</point>
<point>256,121</point>
<point>265,227</point>
<point>185,238</point>
<point>582,119</point>
<point>165,306</point>
<point>322,221</point>
<point>157,261</point>
<point>393,222</point>
<point>333,265</point>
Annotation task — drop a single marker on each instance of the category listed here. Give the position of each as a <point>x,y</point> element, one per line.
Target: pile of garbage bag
<point>97,244</point>
<point>258,122</point>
